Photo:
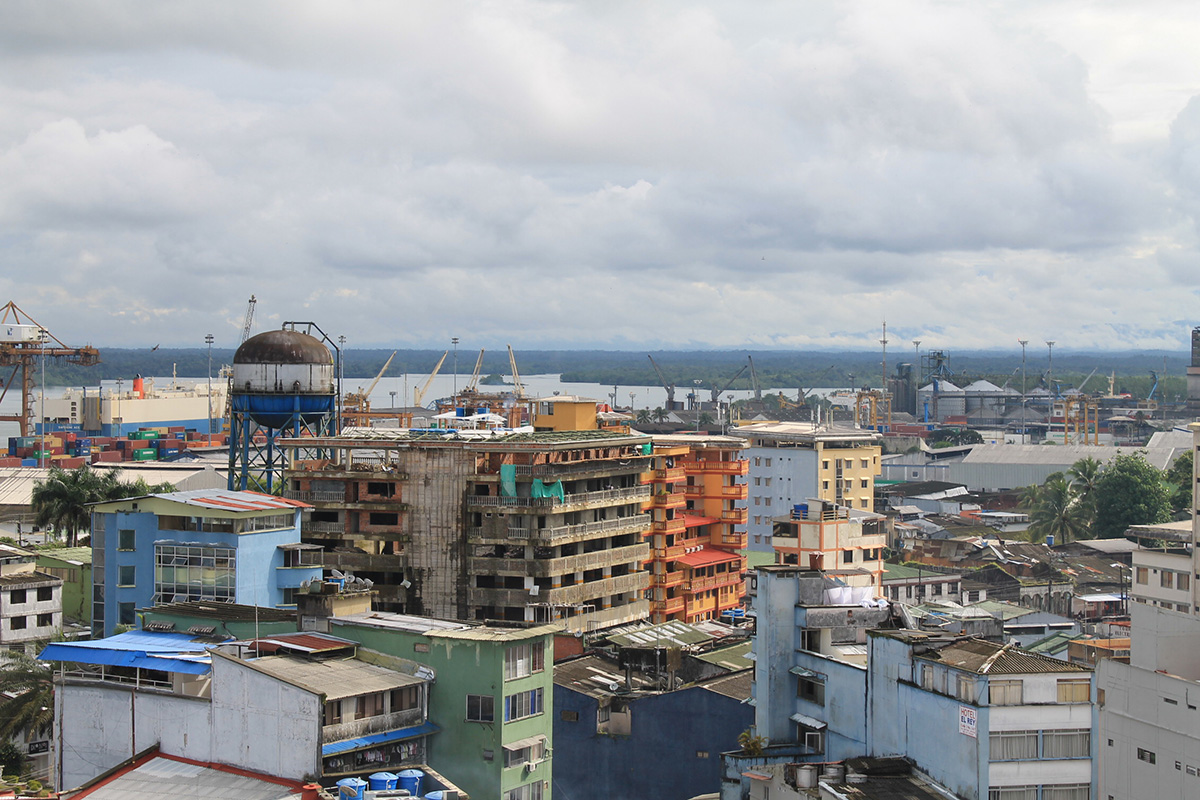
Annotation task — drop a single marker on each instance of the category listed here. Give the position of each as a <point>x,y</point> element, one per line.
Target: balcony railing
<point>735,516</point>
<point>541,470</point>
<point>579,498</point>
<point>324,527</point>
<point>636,521</point>
<point>315,496</point>
<point>718,467</point>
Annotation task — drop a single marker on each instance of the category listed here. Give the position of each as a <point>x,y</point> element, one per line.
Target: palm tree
<point>61,501</point>
<point>1058,512</point>
<point>26,693</point>
<point>659,414</point>
<point>643,416</point>
<point>1084,474</point>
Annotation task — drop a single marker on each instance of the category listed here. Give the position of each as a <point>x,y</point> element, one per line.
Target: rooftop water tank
<point>281,376</point>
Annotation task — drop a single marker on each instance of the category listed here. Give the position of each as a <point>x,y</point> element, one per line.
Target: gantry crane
<point>518,387</point>
<point>419,391</point>
<point>716,393</point>
<point>22,341</point>
<point>670,387</point>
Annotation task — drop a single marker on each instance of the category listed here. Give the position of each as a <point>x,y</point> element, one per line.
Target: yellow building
<point>791,462</point>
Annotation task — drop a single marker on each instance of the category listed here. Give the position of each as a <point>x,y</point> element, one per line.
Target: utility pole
<point>43,335</point>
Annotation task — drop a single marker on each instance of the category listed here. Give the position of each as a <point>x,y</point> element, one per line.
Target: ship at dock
<point>102,411</point>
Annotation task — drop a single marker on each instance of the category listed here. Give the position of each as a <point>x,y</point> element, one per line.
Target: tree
<point>659,414</point>
<point>1083,475</point>
<point>61,501</point>
<point>1179,480</point>
<point>1129,492</point>
<point>705,419</point>
<point>643,416</point>
<point>1058,512</point>
<point>26,694</point>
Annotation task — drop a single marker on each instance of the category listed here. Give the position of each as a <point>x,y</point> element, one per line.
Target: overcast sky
<point>610,174</point>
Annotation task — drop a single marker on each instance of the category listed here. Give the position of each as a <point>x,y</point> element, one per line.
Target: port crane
<point>754,381</point>
<point>474,382</point>
<point>22,341</point>
<point>357,405</point>
<point>419,391</point>
<point>518,387</point>
<point>666,384</point>
<point>716,393</point>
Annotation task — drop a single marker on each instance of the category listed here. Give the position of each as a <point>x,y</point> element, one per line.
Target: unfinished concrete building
<point>543,526</point>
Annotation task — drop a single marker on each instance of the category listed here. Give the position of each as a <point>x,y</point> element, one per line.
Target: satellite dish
<point>406,583</point>
<point>533,590</point>
<point>369,583</point>
<point>304,585</point>
<point>337,574</point>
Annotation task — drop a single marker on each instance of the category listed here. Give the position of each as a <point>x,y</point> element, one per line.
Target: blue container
<point>438,795</point>
<point>411,779</point>
<point>351,788</point>
<point>29,462</point>
<point>383,780</point>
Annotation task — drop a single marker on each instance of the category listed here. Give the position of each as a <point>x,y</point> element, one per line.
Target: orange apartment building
<point>698,517</point>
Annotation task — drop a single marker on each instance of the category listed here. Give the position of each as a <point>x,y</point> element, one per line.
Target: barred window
<point>1013,793</point>
<point>1066,744</point>
<point>1068,791</point>
<point>523,660</point>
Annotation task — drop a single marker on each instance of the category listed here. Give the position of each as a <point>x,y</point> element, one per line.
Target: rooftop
<point>216,499</point>
<point>807,431</point>
<point>667,634</point>
<point>446,629</point>
<point>168,652</point>
<point>72,555</point>
<point>736,685</point>
<point>206,609</point>
<point>988,658</point>
<point>158,775</point>
<point>335,678</point>
<point>598,677</point>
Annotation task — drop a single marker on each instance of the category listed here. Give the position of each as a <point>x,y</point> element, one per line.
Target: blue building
<point>836,679</point>
<point>616,735</point>
<point>207,544</point>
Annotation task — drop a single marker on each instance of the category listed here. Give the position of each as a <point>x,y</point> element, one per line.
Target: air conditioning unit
<point>531,766</point>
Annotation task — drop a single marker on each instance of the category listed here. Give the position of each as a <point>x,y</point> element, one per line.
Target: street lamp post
<point>1024,423</point>
<point>42,336</point>
<point>120,420</point>
<point>208,340</point>
<point>341,375</point>
<point>454,341</point>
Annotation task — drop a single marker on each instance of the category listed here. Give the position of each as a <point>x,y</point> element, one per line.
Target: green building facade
<point>492,698</point>
<point>74,566</point>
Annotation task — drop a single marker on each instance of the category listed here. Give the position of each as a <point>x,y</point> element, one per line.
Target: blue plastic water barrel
<point>438,795</point>
<point>382,780</point>
<point>351,788</point>
<point>411,779</point>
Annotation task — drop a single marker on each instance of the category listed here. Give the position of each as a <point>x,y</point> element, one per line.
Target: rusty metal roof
<point>988,658</point>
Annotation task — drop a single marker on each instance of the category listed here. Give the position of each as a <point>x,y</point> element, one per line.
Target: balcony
<point>669,553</point>
<point>668,500</point>
<point>315,497</point>
<point>548,567</point>
<point>669,474</point>
<point>602,498</point>
<point>712,582</point>
<point>561,534</point>
<point>705,466</point>
<point>581,468</point>
<point>310,526</point>
<point>676,525</point>
<point>578,594</point>
<point>735,516</point>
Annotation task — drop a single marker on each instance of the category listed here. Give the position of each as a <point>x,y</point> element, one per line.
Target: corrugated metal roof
<point>737,685</point>
<point>666,634</point>
<point>708,555</point>
<point>169,652</point>
<point>988,658</point>
<point>303,642</point>
<point>164,776</point>
<point>334,678</point>
<point>424,729</point>
<point>219,500</point>
<point>73,555</point>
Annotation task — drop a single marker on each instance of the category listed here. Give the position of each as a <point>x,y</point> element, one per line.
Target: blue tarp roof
<point>169,652</point>
<point>334,748</point>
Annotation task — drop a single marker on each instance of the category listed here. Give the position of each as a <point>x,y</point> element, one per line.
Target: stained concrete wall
<point>437,551</point>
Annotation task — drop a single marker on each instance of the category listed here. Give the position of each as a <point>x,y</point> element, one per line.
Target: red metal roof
<point>707,555</point>
<point>232,501</point>
<point>694,521</point>
<point>302,642</point>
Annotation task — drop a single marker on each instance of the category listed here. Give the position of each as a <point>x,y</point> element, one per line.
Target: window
<point>368,705</point>
<point>185,573</point>
<point>1005,693</point>
<point>1147,756</point>
<point>767,501</point>
<point>1184,582</point>
<point>811,690</point>
<point>126,613</point>
<point>45,620</point>
<point>16,597</point>
<point>964,689</point>
<point>847,556</point>
<point>1066,744</point>
<point>824,484</point>
<point>45,594</point>
<point>1013,793</point>
<point>523,704</point>
<point>1074,691</point>
<point>333,712</point>
<point>17,624</point>
<point>407,698</point>
<point>865,463</point>
<point>863,484</point>
<point>523,660</point>
<point>569,716</point>
<point>518,753</point>
<point>1166,579</point>
<point>126,540</point>
<point>825,464</point>
<point>757,481</point>
<point>1143,575</point>
<point>126,575</point>
<point>766,462</point>
<point>1013,745</point>
<point>530,791</point>
<point>480,708</point>
<point>1071,791</point>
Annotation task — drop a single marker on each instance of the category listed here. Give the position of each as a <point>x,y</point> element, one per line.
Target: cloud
<point>562,174</point>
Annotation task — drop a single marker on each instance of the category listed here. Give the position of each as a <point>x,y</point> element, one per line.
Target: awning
<point>333,748</point>
<point>808,722</point>
<point>193,664</point>
<point>757,776</point>
<point>804,673</point>
<point>521,744</point>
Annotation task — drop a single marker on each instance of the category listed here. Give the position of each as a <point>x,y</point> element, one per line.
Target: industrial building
<point>791,462</point>
<point>697,510</point>
<point>535,526</point>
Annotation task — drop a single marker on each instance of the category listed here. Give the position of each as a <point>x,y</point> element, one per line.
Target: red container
<point>72,463</point>
<point>106,456</point>
<point>10,461</point>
